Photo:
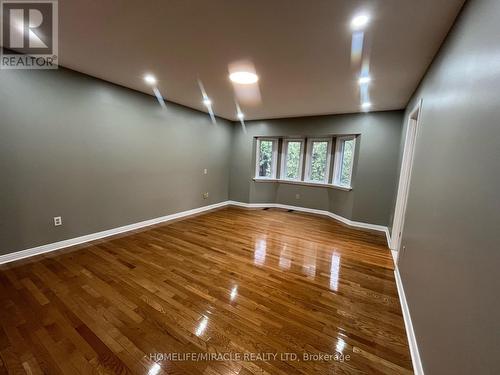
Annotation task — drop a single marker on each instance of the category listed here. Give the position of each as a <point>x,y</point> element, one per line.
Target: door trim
<point>405,176</point>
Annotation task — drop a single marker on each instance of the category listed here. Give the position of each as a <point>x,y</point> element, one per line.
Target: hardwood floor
<point>232,282</point>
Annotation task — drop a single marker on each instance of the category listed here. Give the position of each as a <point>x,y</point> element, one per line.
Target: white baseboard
<point>111,232</point>
<point>412,341</point>
<point>342,219</point>
<point>95,236</point>
<point>394,256</point>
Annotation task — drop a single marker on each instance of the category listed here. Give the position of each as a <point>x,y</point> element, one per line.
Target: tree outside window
<point>293,160</point>
<point>265,158</point>
<point>347,162</point>
<point>319,161</point>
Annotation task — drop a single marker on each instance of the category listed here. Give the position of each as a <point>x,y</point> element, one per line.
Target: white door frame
<point>405,176</point>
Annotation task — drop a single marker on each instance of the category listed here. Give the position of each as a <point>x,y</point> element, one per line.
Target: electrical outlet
<point>205,171</point>
<point>205,195</point>
<point>57,221</point>
<point>297,196</point>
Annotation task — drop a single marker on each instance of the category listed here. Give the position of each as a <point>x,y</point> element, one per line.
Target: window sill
<point>304,183</point>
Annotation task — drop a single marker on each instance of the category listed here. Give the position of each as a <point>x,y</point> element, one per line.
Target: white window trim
<point>303,183</point>
<point>339,153</point>
<point>274,158</point>
<point>284,154</point>
<point>309,159</point>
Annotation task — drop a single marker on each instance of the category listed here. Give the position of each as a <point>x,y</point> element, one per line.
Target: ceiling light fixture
<point>240,115</point>
<point>359,22</point>
<point>150,79</point>
<point>366,105</point>
<point>207,102</point>
<point>364,80</point>
<point>244,78</point>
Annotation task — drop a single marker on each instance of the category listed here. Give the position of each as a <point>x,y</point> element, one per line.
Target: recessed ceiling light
<point>359,21</point>
<point>366,105</point>
<point>364,80</point>
<point>207,102</point>
<point>240,115</point>
<point>150,79</point>
<point>244,78</point>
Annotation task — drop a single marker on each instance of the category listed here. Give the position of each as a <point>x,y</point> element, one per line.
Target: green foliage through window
<point>293,160</point>
<point>319,159</point>
<point>347,161</point>
<point>265,158</point>
<point>317,156</point>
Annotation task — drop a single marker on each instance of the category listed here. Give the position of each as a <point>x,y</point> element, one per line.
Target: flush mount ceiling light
<point>359,21</point>
<point>364,80</point>
<point>244,78</point>
<point>150,79</point>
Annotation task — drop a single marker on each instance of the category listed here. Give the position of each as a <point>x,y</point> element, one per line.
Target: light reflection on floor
<point>334,272</point>
<point>309,262</point>
<point>202,327</point>
<point>260,251</point>
<point>285,258</point>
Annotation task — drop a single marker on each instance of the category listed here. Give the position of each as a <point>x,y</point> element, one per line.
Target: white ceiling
<point>300,49</point>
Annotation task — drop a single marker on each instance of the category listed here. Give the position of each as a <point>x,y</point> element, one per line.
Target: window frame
<point>274,158</point>
<point>338,158</point>
<point>309,148</point>
<point>284,155</point>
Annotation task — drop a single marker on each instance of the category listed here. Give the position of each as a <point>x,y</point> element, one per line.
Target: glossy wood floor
<point>246,282</point>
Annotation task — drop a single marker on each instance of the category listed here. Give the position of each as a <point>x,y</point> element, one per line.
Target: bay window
<point>306,161</point>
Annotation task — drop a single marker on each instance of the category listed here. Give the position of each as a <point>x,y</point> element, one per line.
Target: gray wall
<point>100,156</point>
<point>451,262</point>
<point>374,175</point>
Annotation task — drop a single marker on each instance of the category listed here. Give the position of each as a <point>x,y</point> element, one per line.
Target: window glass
<point>292,166</point>
<point>266,162</point>
<point>319,161</point>
<point>347,162</point>
<point>344,161</point>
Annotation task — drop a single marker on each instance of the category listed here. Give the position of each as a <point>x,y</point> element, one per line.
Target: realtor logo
<point>29,34</point>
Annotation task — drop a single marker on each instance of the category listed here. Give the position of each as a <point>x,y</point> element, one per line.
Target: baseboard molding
<point>342,219</point>
<point>111,232</point>
<point>394,256</point>
<point>412,341</point>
